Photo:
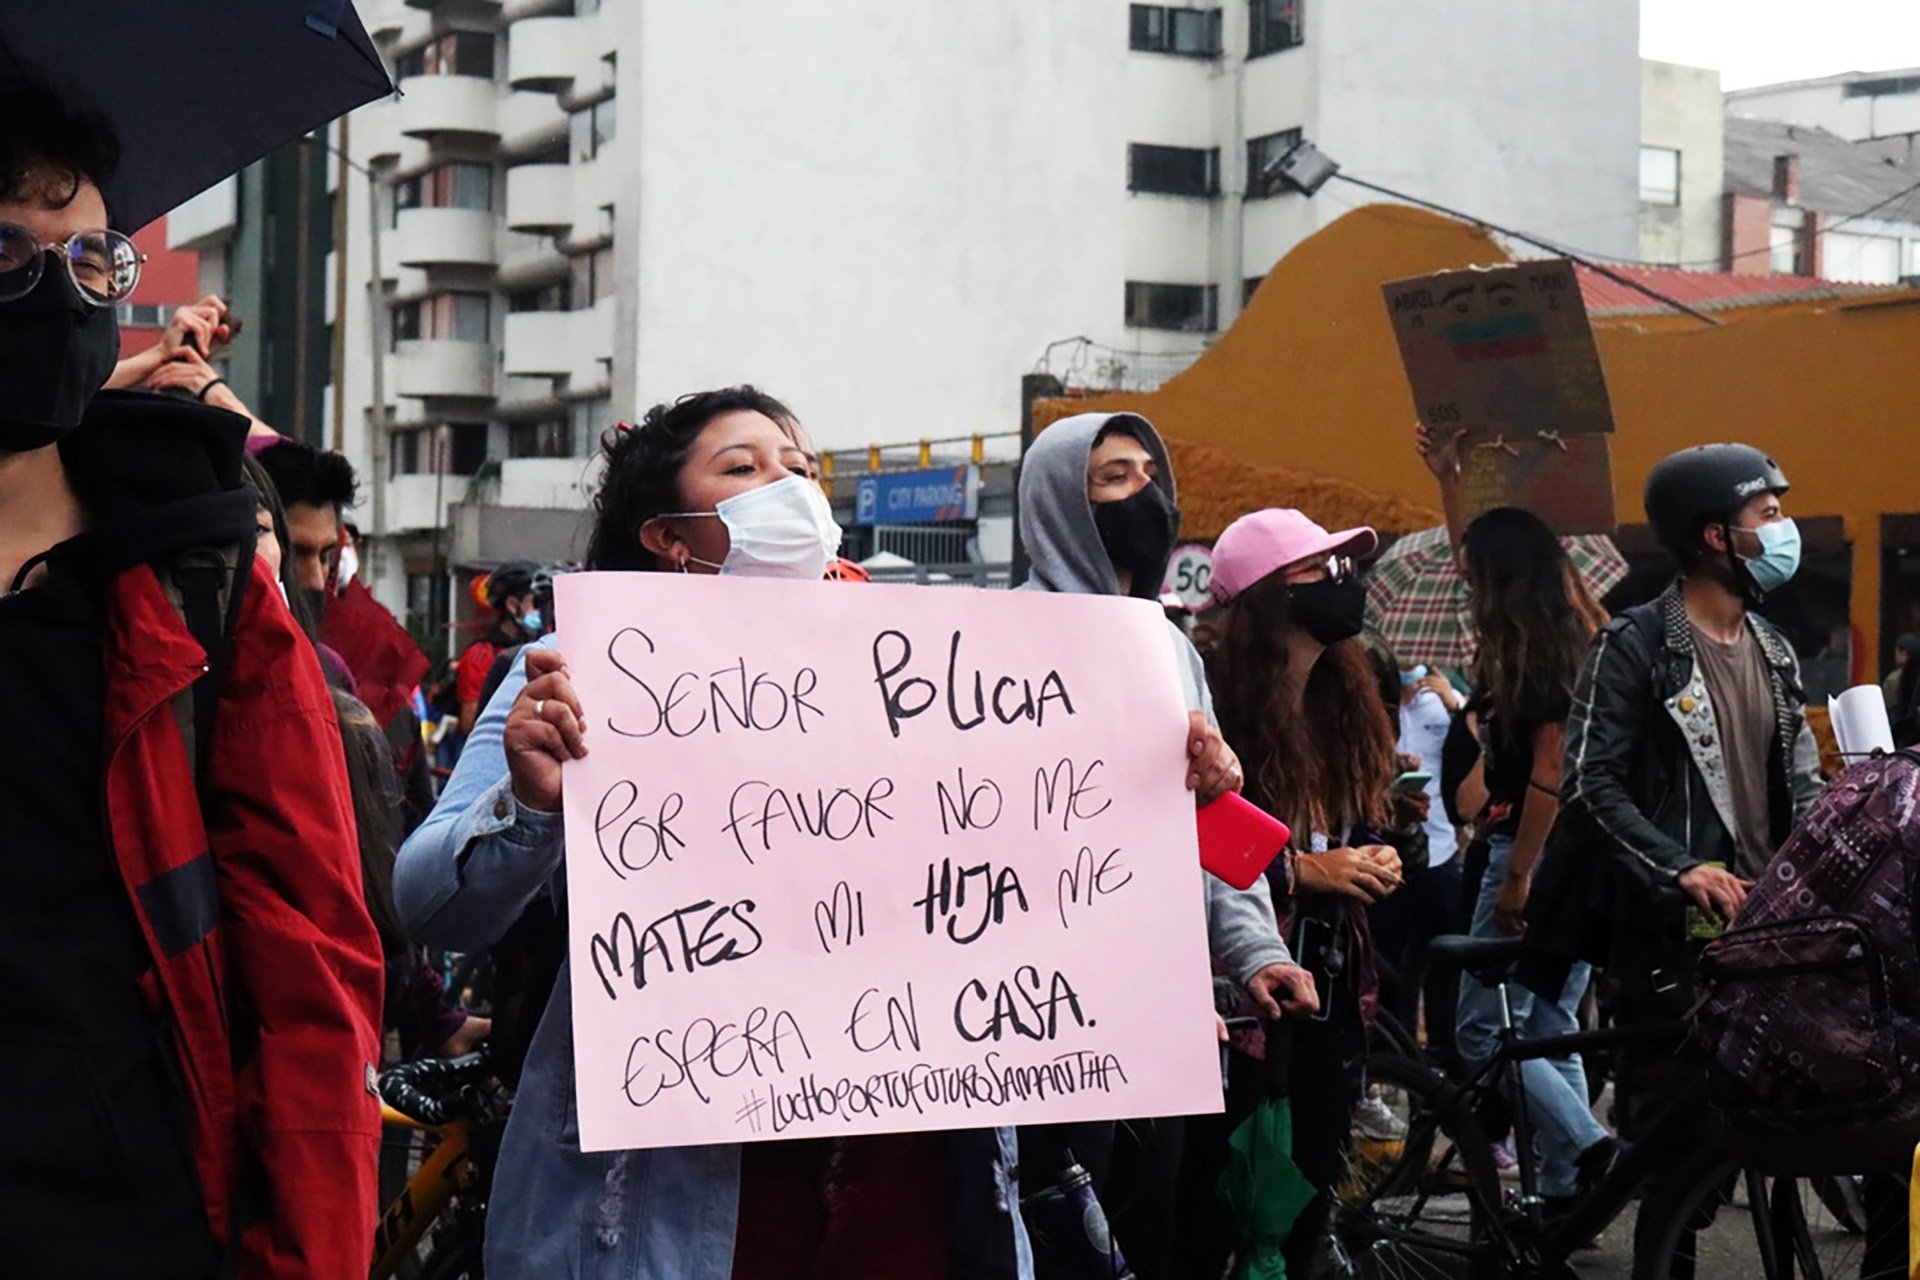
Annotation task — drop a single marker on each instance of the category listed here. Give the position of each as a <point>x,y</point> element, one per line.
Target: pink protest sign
<point>868,859</point>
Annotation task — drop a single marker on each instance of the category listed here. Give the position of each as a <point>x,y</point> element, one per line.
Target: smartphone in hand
<point>1238,839</point>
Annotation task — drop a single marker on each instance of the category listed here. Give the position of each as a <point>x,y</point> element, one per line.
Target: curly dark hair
<point>48,146</point>
<point>642,476</point>
<point>1532,614</point>
<point>1325,765</point>
<point>309,477</point>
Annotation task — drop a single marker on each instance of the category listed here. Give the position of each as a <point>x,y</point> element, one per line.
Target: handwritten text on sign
<point>859,859</point>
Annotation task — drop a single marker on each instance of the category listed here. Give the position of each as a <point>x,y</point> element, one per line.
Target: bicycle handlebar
<point>401,1086</point>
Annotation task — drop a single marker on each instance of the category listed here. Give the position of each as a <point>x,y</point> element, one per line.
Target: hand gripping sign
<point>864,861</point>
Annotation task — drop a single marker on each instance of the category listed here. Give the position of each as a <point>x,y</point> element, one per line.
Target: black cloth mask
<point>59,352</point>
<point>1138,534</point>
<point>1331,611</point>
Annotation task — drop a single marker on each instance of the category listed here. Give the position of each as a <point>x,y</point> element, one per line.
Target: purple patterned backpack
<point>1809,1006</point>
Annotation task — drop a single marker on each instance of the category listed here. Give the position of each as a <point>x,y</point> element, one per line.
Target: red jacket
<point>264,960</point>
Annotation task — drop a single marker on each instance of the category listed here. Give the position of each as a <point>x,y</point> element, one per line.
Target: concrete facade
<point>1857,106</point>
<point>1681,121</point>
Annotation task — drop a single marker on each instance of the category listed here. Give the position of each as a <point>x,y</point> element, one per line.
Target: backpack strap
<point>207,586</point>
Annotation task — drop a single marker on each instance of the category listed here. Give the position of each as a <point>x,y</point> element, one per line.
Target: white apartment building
<point>883,211</point>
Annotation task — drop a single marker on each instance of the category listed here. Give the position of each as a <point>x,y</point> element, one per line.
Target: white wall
<point>1522,112</point>
<point>880,210</point>
<point>1680,108</point>
<point>1826,106</point>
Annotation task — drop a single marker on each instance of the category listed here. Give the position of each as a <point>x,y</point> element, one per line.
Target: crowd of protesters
<point>226,857</point>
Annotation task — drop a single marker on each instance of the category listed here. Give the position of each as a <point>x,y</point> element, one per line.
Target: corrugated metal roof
<point>1836,176</point>
<point>1707,290</point>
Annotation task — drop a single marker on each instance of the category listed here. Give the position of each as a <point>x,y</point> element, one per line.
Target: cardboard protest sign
<point>860,860</point>
<point>1505,356</point>
<point>1567,483</point>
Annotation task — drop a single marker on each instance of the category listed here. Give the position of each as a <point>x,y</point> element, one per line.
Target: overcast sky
<point>1764,41</point>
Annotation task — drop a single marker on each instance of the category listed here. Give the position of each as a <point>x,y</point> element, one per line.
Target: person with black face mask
<point>1098,516</point>
<point>1299,702</point>
<point>181,922</point>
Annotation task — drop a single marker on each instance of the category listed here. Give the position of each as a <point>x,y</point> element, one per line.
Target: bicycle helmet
<point>511,580</point>
<point>1688,490</point>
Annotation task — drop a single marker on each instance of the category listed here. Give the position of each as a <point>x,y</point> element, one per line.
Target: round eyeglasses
<point>103,265</point>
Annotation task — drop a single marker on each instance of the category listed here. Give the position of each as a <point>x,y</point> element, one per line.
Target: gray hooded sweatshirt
<point>1056,524</point>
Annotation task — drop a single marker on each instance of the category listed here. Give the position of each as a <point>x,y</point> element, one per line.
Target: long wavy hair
<point>1532,613</point>
<point>1325,766</point>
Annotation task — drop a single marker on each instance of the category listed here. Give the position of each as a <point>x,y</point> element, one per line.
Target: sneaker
<point>1372,1120</point>
<point>1504,1160</point>
<point>1593,1165</point>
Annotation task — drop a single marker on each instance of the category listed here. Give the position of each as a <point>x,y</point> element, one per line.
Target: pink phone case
<point>1238,840</point>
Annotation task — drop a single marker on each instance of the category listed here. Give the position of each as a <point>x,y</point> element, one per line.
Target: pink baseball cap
<point>1258,544</point>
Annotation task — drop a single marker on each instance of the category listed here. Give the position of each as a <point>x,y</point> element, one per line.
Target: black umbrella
<point>197,89</point>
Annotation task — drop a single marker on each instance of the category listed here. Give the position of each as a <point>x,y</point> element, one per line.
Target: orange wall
<point>1309,378</point>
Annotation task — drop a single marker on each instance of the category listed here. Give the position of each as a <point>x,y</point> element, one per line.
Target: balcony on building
<point>421,501</point>
<point>531,122</point>
<point>522,398</point>
<point>589,362</point>
<point>444,237</point>
<point>540,199</point>
<point>542,54</point>
<point>538,344</point>
<point>435,107</point>
<point>443,369</point>
<point>383,18</point>
<point>206,222</point>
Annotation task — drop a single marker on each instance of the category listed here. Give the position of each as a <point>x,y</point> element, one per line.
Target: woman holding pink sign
<point>719,482</point>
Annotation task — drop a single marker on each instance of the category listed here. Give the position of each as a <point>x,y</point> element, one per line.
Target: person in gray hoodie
<point>1098,516</point>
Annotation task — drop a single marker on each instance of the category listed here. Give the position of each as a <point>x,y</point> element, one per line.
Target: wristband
<point>201,395</point>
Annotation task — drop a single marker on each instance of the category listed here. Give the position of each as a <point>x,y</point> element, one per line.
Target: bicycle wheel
<point>1729,1221</point>
<point>1419,1183</point>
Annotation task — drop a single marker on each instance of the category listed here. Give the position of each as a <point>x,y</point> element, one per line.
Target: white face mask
<point>779,530</point>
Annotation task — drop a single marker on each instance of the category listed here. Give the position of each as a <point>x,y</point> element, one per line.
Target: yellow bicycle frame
<point>406,1220</point>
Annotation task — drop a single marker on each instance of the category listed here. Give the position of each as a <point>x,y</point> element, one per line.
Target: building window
<point>1159,28</point>
<point>590,277</point>
<point>1173,171</point>
<point>557,296</point>
<point>457,449</point>
<point>1249,287</point>
<point>1263,156</point>
<point>1785,251</point>
<point>581,8</point>
<point>1273,25</point>
<point>143,315</point>
<point>1659,175</point>
<point>457,317</point>
<point>550,439</point>
<point>465,447</point>
<point>403,452</point>
<point>588,420</point>
<point>451,186</point>
<point>1190,308</point>
<point>592,129</point>
<point>457,53</point>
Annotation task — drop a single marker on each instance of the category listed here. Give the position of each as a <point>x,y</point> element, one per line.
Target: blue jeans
<point>1556,1088</point>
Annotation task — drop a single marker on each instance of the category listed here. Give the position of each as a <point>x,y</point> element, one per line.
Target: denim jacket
<point>665,1214</point>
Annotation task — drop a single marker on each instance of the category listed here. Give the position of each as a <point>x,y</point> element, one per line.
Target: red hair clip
<point>623,426</point>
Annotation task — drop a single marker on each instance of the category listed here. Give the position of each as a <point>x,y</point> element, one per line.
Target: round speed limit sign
<point>1190,576</point>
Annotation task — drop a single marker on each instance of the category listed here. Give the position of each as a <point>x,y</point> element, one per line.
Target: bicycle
<point>1427,1200</point>
<point>450,1099</point>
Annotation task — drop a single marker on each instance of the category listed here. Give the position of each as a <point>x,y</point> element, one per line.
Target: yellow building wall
<point>1306,390</point>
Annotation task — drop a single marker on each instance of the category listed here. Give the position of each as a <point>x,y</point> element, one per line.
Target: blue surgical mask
<point>532,623</point>
<point>1413,675</point>
<point>1779,557</point>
